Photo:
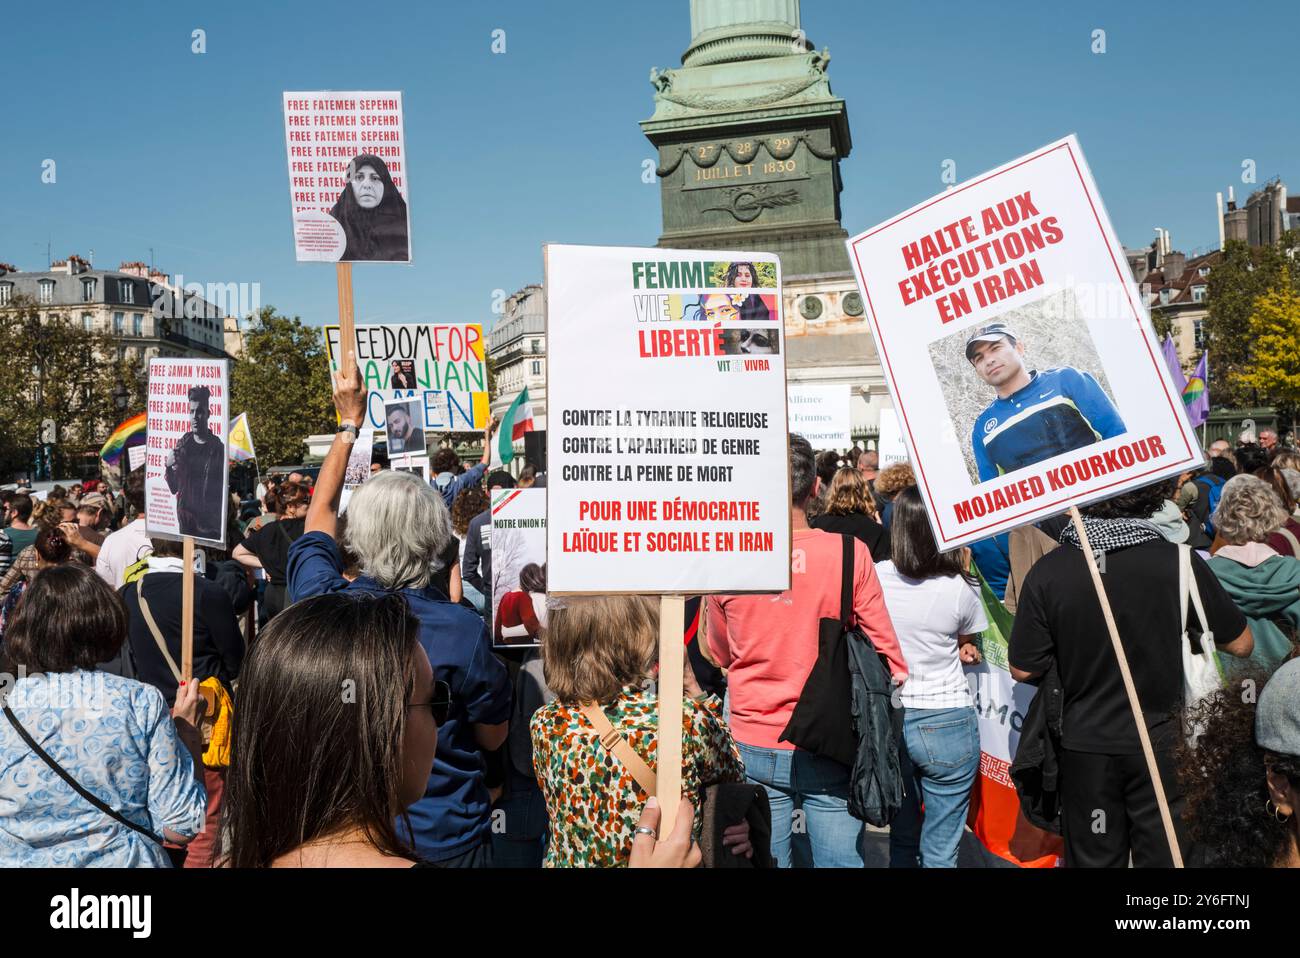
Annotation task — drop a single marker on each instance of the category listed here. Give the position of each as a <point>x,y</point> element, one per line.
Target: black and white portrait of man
<point>196,472</point>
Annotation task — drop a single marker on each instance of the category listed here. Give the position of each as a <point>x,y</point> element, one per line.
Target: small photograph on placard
<point>404,420</point>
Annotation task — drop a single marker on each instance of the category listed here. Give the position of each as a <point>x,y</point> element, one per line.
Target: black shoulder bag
<point>821,722</point>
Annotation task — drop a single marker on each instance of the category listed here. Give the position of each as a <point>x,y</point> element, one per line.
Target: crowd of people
<point>353,703</point>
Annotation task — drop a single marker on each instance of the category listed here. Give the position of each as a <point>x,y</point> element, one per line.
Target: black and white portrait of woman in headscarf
<point>752,307</point>
<point>372,213</point>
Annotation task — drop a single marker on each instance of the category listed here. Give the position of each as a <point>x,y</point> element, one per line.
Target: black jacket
<point>1036,769</point>
<point>218,646</point>
<point>876,782</point>
<point>860,526</point>
<point>845,711</point>
<point>477,567</point>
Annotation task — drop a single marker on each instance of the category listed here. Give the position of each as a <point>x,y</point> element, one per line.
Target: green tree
<point>53,368</point>
<point>1274,372</point>
<point>1246,273</point>
<point>282,381</point>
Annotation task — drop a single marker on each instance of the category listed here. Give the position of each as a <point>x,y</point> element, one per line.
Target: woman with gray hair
<point>397,527</point>
<point>1263,584</point>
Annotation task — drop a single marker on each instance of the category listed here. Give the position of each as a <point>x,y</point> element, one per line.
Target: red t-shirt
<point>768,643</point>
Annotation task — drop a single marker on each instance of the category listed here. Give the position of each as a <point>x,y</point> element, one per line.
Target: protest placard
<point>347,176</point>
<point>889,446</point>
<point>518,520</point>
<point>820,414</point>
<point>444,362</point>
<point>416,465</point>
<point>1018,352</point>
<point>135,457</point>
<point>669,453</point>
<point>186,470</point>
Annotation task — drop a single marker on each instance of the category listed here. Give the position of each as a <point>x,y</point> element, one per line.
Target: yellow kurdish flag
<point>240,446</point>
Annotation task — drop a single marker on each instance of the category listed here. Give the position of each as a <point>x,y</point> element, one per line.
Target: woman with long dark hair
<point>936,611</point>
<point>750,305</point>
<point>334,736</point>
<point>372,213</point>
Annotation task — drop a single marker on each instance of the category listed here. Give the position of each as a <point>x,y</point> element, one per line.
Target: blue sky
<point>158,147</point>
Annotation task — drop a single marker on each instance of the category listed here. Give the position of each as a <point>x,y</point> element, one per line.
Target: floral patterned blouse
<point>593,801</point>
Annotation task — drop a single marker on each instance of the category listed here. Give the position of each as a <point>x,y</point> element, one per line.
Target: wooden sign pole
<point>1143,736</point>
<point>672,655</point>
<point>347,323</point>
<point>187,610</point>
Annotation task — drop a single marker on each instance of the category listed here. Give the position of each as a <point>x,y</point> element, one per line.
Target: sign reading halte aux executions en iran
<point>666,422</point>
<point>1019,354</point>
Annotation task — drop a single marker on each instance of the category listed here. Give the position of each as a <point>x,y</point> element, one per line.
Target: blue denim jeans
<point>519,825</point>
<point>940,756</point>
<point>819,788</point>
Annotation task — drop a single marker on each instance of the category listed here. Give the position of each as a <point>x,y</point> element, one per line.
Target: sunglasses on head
<point>440,703</point>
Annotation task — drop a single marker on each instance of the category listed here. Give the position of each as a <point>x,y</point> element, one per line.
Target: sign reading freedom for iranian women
<point>666,422</point>
<point>439,364</point>
<point>1019,354</point>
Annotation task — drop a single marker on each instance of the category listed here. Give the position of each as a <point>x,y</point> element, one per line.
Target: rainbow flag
<point>129,433</point>
<point>1195,395</point>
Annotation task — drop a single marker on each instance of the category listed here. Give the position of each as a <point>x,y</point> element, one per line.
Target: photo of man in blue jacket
<point>1035,415</point>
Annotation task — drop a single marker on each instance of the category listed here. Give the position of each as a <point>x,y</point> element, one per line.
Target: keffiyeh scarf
<point>1109,535</point>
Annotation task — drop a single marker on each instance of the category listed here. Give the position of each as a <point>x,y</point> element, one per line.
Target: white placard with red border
<point>1067,400</point>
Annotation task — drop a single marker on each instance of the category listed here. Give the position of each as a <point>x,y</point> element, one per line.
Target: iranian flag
<point>517,421</point>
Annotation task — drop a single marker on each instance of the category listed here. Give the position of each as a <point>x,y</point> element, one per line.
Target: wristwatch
<point>349,432</point>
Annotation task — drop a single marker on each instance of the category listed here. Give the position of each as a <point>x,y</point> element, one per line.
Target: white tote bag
<point>1200,664</point>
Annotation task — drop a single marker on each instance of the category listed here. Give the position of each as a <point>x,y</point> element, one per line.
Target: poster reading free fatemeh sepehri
<point>668,463</point>
<point>348,176</point>
<point>1021,359</point>
<point>186,467</point>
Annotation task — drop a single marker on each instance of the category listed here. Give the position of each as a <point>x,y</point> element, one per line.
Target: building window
<point>88,321</point>
<point>46,294</point>
<point>1198,294</point>
<point>537,346</point>
<point>1198,333</point>
<point>537,367</point>
<point>119,322</point>
<point>126,291</point>
<point>87,290</point>
<point>137,324</point>
<point>5,290</point>
<point>1203,271</point>
<point>1164,296</point>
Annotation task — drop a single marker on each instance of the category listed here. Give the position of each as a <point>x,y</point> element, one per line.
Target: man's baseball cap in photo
<point>1277,716</point>
<point>989,334</point>
<point>95,501</point>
